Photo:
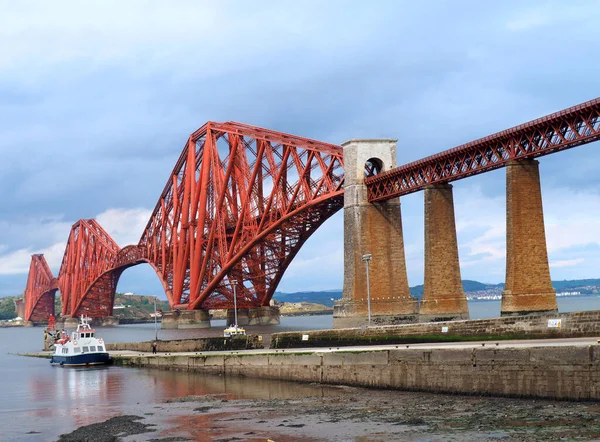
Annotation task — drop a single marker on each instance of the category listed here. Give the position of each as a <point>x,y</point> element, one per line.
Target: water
<point>53,400</point>
<point>491,309</point>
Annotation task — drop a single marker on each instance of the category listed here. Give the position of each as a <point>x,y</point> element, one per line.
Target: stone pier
<point>374,229</point>
<point>70,323</point>
<point>443,296</point>
<point>528,288</point>
<point>242,314</point>
<point>180,319</point>
<point>267,315</point>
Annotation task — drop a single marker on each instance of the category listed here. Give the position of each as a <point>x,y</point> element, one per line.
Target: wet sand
<point>350,414</point>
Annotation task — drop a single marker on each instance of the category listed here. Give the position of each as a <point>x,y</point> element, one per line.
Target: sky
<point>97,99</point>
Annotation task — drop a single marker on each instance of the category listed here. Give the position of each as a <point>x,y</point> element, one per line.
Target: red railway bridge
<point>241,201</point>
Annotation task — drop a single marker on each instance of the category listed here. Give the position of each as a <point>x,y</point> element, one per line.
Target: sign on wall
<point>554,323</point>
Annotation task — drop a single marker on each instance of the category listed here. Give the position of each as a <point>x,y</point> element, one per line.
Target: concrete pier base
<point>355,314</point>
<point>107,321</point>
<point>183,319</point>
<point>28,324</point>
<point>268,315</point>
<point>70,323</point>
<point>443,296</point>
<point>528,288</point>
<point>242,314</point>
<point>376,230</point>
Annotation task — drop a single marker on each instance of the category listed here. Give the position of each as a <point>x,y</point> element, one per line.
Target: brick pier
<point>528,288</point>
<point>443,295</point>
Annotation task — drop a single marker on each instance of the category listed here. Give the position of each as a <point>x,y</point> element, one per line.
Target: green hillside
<point>7,307</point>
<point>585,286</point>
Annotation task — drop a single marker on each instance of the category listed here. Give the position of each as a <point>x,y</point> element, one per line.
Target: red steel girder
<point>40,290</point>
<point>562,130</point>
<point>239,204</point>
<point>90,253</point>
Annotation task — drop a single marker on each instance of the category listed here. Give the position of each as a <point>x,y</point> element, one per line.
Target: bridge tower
<point>375,229</point>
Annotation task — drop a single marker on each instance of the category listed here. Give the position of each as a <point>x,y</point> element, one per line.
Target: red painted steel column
<point>443,295</point>
<point>528,288</point>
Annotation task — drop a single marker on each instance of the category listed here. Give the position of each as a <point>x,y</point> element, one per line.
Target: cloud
<point>566,262</point>
<point>125,226</point>
<point>319,265</point>
<point>529,20</point>
<point>97,99</point>
<point>552,14</point>
<point>571,221</point>
<point>18,261</point>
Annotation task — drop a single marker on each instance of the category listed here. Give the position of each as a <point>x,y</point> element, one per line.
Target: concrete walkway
<point>577,342</point>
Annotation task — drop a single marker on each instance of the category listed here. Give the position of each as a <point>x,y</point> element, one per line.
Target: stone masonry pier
<point>528,286</point>
<point>374,229</point>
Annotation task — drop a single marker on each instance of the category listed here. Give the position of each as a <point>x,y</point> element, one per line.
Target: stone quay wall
<point>561,372</point>
<point>556,325</point>
<point>191,345</point>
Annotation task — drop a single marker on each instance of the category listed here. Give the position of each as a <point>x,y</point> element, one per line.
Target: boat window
<point>92,348</point>
<point>85,349</point>
<point>100,348</point>
<point>64,350</point>
<point>77,349</point>
<point>87,335</point>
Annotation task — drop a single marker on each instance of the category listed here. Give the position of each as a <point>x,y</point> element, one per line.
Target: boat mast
<point>234,282</point>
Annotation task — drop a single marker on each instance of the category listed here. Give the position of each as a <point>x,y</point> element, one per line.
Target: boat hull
<point>82,359</point>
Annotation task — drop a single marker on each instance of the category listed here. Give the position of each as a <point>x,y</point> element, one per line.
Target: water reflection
<point>177,384</point>
<point>59,399</point>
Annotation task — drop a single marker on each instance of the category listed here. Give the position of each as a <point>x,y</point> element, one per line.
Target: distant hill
<point>325,297</point>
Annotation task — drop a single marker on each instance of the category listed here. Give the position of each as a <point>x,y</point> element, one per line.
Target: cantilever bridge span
<point>241,201</point>
<point>238,205</point>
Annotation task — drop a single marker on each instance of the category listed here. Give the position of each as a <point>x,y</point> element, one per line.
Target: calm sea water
<point>40,401</point>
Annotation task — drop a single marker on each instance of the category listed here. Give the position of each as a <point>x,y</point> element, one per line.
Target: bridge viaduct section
<point>241,201</point>
<point>372,186</point>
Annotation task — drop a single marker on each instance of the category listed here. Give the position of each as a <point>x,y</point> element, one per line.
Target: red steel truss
<point>88,259</point>
<point>240,203</point>
<point>559,131</point>
<point>40,290</point>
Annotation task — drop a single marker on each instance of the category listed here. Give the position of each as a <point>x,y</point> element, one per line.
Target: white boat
<point>81,348</point>
<point>234,330</point>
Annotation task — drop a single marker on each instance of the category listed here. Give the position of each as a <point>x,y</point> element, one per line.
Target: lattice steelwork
<point>562,130</point>
<point>40,290</point>
<point>240,203</point>
<point>89,255</point>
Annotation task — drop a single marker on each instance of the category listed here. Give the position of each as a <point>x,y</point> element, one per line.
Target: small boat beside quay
<point>234,330</point>
<point>81,348</point>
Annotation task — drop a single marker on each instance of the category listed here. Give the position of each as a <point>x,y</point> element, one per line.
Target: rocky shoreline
<point>345,413</point>
<point>287,309</point>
